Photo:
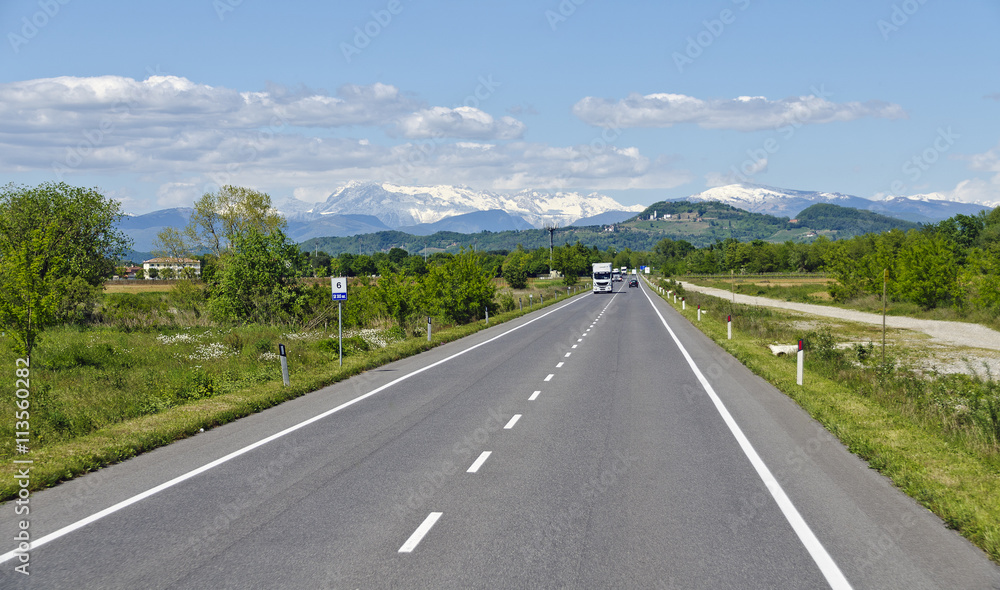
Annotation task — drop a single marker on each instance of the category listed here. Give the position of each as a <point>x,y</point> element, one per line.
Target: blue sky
<point>156,103</point>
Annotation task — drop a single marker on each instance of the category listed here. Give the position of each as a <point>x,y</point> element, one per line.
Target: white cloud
<point>459,122</point>
<point>178,194</point>
<point>180,139</point>
<point>980,190</point>
<point>745,113</point>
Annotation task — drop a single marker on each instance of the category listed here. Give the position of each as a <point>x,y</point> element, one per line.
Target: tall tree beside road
<point>461,288</point>
<point>515,269</point>
<point>170,243</point>
<point>257,279</point>
<point>231,211</point>
<point>58,243</point>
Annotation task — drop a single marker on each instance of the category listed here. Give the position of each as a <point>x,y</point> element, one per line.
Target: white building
<point>176,264</point>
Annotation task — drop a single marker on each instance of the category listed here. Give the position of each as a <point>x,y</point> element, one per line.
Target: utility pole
<point>552,230</point>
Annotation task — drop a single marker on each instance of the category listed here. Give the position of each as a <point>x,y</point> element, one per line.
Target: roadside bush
<point>506,301</point>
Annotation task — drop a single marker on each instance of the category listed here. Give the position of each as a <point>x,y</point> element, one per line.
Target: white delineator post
<point>428,328</point>
<point>284,363</point>
<point>699,312</point>
<point>683,303</point>
<point>798,372</point>
<point>729,325</point>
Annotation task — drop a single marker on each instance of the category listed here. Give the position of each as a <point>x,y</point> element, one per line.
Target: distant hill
<point>606,218</point>
<point>847,220</point>
<point>334,225</point>
<point>469,223</point>
<point>143,228</point>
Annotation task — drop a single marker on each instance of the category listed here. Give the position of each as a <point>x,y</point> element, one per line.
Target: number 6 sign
<point>338,287</point>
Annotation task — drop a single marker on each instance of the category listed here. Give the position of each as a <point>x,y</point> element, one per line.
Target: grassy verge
<point>936,437</point>
<point>108,395</point>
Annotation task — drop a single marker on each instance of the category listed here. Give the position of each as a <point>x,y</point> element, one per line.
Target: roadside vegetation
<point>936,436</point>
<point>123,369</point>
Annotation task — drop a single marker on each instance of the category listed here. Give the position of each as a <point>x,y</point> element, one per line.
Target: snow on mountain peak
<point>399,206</point>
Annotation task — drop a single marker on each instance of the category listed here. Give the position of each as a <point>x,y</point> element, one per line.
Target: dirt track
<point>953,333</point>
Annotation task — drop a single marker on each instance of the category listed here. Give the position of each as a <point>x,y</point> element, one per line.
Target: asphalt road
<point>600,443</point>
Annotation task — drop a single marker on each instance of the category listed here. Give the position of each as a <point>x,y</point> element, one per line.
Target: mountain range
<point>368,207</point>
<point>788,203</point>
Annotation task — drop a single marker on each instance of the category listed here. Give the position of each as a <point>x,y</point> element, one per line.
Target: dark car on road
<point>633,282</point>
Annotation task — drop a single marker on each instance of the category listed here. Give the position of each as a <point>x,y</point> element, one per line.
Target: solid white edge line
<point>418,535</point>
<point>186,476</point>
<point>827,566</point>
<point>533,396</point>
<point>513,420</point>
<point>479,462</point>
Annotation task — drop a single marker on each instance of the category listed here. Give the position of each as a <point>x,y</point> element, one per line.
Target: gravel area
<point>951,333</point>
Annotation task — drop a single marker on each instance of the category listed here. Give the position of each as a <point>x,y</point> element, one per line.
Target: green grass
<point>101,395</point>
<point>937,439</point>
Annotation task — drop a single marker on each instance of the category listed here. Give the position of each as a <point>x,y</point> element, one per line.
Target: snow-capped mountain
<point>401,206</point>
<point>788,203</point>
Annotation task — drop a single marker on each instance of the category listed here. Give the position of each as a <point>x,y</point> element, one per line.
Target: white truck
<point>602,278</point>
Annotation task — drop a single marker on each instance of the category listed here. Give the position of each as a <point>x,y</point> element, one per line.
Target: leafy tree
<point>515,269</point>
<point>399,296</point>
<point>363,265</point>
<point>257,279</point>
<point>928,269</point>
<point>397,256</point>
<point>415,265</point>
<point>982,273</point>
<point>571,262</point>
<point>231,212</point>
<point>171,244</point>
<point>460,289</point>
<point>57,245</point>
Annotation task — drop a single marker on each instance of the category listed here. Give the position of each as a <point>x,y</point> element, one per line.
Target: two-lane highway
<point>599,443</point>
